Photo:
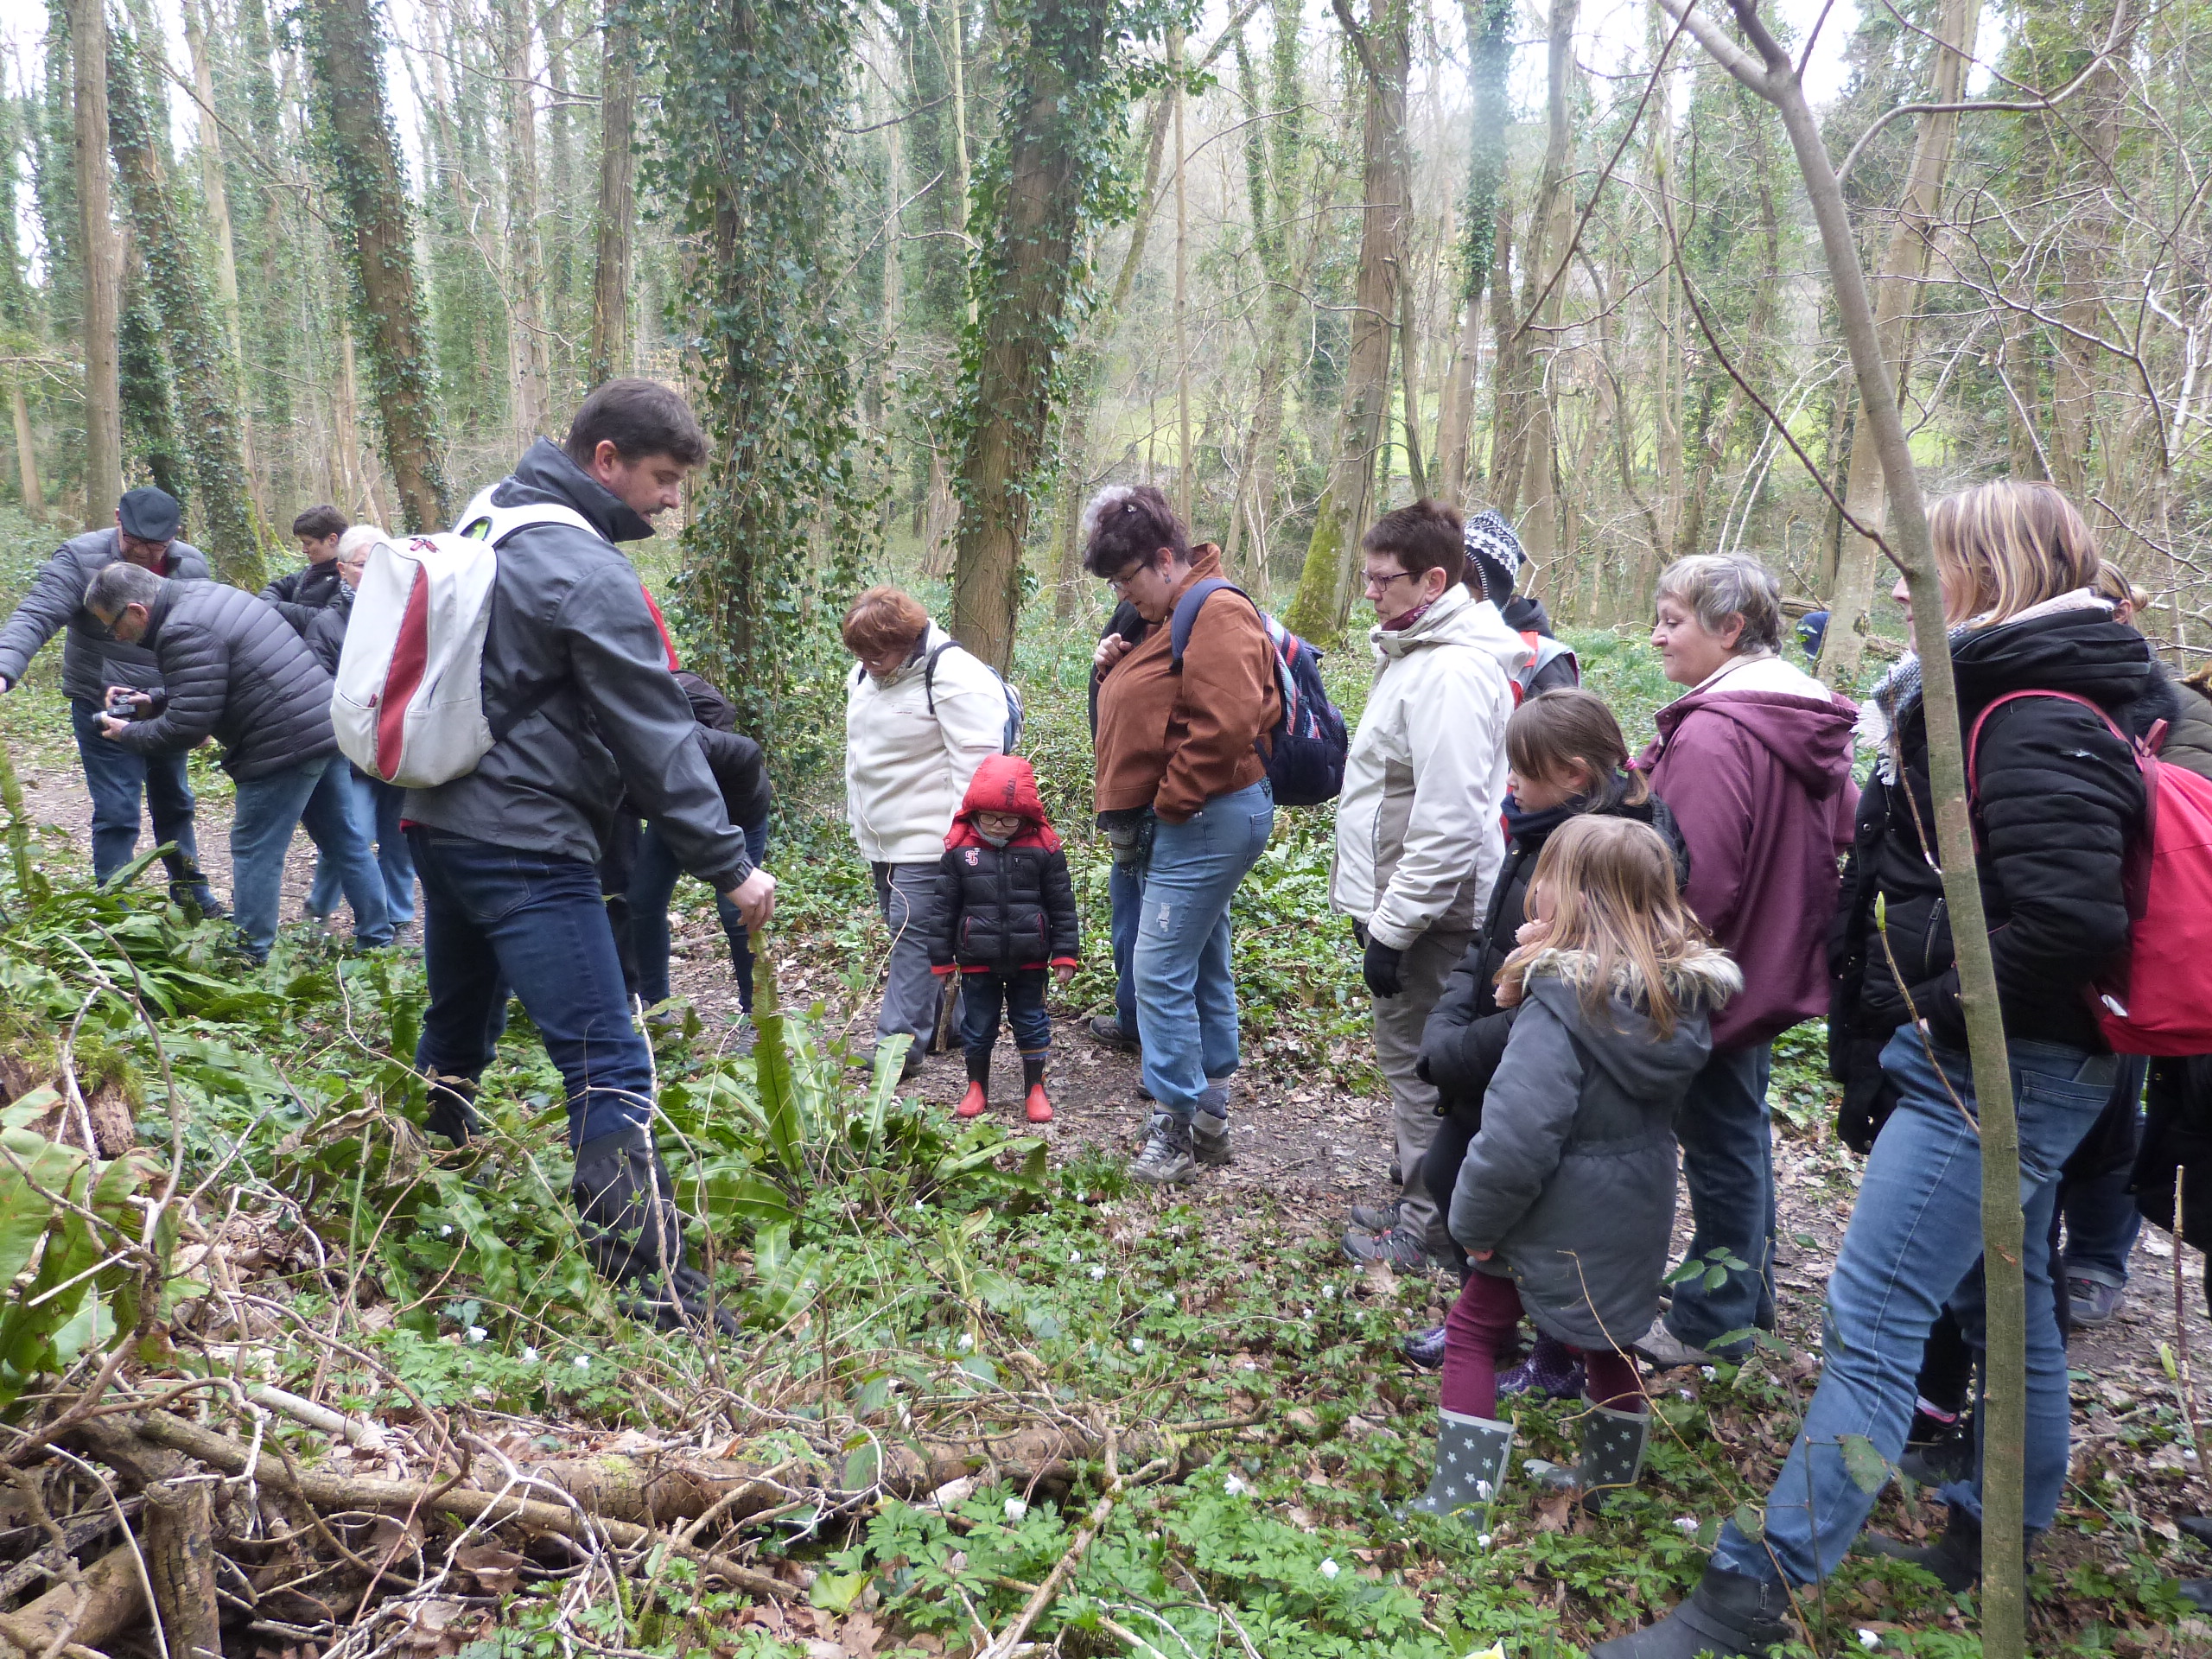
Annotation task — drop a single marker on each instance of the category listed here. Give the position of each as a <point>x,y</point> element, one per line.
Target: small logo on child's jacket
<point>974,855</point>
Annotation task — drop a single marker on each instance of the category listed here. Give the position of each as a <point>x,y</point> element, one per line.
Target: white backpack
<point>408,700</point>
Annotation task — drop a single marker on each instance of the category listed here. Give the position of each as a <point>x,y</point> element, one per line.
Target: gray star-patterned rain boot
<point>1470,1459</point>
<point>1613,1443</point>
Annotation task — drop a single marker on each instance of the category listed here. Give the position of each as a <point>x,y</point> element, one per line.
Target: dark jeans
<point>116,778</point>
<point>652,883</point>
<point>1023,992</point>
<point>495,919</point>
<point>1125,892</point>
<point>1728,1169</point>
<point>377,805</point>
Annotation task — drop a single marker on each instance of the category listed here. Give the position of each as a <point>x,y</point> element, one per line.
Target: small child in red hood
<point>1005,915</point>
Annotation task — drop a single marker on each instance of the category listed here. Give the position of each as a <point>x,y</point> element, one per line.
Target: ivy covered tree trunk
<point>101,267</point>
<point>360,150</point>
<point>527,372</point>
<point>1324,589</point>
<point>751,102</point>
<point>197,343</point>
<point>1055,147</point>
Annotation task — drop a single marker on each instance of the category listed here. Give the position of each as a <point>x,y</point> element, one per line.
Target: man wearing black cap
<point>92,660</point>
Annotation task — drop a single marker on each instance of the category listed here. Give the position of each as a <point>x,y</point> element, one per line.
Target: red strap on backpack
<point>1974,737</point>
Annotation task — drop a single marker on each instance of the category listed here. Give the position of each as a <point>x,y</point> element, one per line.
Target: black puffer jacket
<point>300,594</point>
<point>233,669</point>
<point>1002,909</point>
<point>1466,1035</point>
<point>2057,802</point>
<point>735,760</point>
<point>92,660</point>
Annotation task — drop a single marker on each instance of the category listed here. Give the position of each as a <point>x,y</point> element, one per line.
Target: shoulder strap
<point>1186,616</point>
<point>1974,737</point>
<point>929,674</point>
<point>483,521</point>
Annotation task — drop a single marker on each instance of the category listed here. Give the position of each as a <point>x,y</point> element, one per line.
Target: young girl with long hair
<point>1564,1202</point>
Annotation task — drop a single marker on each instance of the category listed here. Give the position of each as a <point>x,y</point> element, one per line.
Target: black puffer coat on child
<point>1001,910</point>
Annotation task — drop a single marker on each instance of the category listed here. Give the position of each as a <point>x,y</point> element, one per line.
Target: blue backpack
<point>1306,766</point>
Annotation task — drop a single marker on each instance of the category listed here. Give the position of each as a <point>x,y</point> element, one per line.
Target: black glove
<point>1379,967</point>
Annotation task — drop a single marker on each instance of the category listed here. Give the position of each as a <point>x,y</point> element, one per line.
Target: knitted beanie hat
<point>1497,550</point>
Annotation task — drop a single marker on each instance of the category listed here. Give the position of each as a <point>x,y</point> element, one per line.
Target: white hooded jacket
<point>1418,837</point>
<point>906,770</point>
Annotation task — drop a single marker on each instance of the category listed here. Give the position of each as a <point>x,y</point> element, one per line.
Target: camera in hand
<point>120,704</point>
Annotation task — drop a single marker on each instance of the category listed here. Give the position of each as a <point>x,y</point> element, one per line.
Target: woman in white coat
<point>921,714</point>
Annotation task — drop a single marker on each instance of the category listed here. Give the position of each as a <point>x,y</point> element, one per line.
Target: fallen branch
<point>328,1492</point>
<point>1004,1646</point>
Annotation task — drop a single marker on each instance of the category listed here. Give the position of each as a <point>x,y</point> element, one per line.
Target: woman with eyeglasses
<point>1182,794</point>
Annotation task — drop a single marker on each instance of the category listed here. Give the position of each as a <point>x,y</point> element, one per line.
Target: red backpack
<point>2161,1003</point>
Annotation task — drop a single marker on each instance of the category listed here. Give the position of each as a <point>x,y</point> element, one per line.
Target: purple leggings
<point>1481,1322</point>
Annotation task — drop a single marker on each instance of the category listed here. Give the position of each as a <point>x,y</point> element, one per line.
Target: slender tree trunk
<point>1668,358</point>
<point>526,352</point>
<point>102,257</point>
<point>1508,433</point>
<point>2003,1604</point>
<point>1409,376</point>
<point>198,345</point>
<point>1020,307</point>
<point>1545,274</point>
<point>355,131</point>
<point>618,206</point>
<point>1183,450</point>
<point>1347,503</point>
<point>1489,63</point>
<point>25,449</point>
<point>1897,298</point>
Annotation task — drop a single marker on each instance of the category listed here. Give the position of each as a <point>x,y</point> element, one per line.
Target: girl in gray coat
<point>1566,1200</point>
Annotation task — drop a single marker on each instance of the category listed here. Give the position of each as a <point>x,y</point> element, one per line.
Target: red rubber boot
<point>1039,1104</point>
<point>978,1096</point>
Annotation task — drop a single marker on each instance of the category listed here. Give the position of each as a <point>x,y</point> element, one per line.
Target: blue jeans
<point>496,918</point>
<point>116,778</point>
<point>377,807</point>
<point>317,798</point>
<point>1024,995</point>
<point>652,883</point>
<point>1125,893</point>
<point>1728,1166</point>
<point>1186,991</point>
<point>2099,1212</point>
<point>1914,1245</point>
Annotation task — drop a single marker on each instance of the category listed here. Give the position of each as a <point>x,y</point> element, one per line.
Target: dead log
<point>333,1492</point>
<point>114,1600</point>
<point>180,1562</point>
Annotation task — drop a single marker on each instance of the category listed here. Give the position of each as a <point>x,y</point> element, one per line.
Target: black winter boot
<point>453,1110</point>
<point>1472,1454</point>
<point>1954,1558</point>
<point>1729,1614</point>
<point>1613,1443</point>
<point>625,1206</point>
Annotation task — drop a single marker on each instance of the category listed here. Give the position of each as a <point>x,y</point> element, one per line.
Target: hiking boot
<point>1954,1558</point>
<point>633,1235</point>
<point>1551,1372</point>
<point>1106,1029</point>
<point>1425,1348</point>
<point>1210,1139</point>
<point>1169,1158</point>
<point>1938,1450</point>
<point>189,890</point>
<point>1613,1443</point>
<point>1668,1352</point>
<point>1402,1248</point>
<point>1471,1461</point>
<point>2091,1301</point>
<point>452,1110</point>
<point>1729,1614</point>
<point>1376,1217</point>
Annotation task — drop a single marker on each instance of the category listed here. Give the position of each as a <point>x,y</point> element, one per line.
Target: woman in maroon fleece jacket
<point>1756,762</point>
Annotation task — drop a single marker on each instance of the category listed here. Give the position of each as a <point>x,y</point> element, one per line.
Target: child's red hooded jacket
<point>1001,910</point>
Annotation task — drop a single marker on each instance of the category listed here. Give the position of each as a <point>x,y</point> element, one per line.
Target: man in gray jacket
<point>233,669</point>
<point>584,711</point>
<point>146,523</point>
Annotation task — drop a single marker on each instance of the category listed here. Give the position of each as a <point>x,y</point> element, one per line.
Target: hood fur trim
<point>1705,977</point>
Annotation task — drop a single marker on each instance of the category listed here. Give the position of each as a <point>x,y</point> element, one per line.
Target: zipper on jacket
<point>1936,918</point>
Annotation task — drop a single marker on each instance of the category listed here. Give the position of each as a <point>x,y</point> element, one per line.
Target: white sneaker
<point>1666,1350</point>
